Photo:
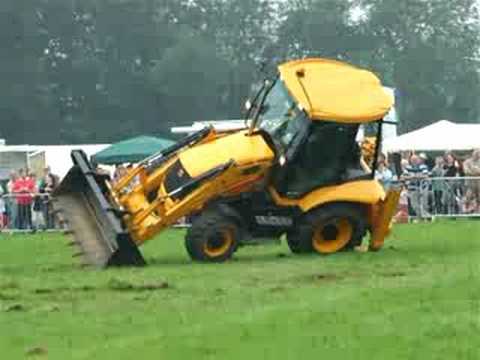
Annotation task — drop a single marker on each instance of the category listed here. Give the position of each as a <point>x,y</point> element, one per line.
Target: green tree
<point>423,48</point>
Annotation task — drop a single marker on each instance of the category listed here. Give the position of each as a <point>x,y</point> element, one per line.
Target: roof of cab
<point>336,91</point>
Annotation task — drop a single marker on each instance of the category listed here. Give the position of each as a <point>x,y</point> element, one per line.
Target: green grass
<point>419,298</point>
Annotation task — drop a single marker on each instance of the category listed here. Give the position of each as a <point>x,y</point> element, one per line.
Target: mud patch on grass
<point>328,277</point>
<point>15,308</point>
<point>276,289</point>
<point>122,285</point>
<point>219,291</point>
<point>393,248</point>
<point>43,291</point>
<point>47,291</point>
<point>36,351</point>
<point>393,274</point>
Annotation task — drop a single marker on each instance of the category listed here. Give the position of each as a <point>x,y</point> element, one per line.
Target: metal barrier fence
<point>452,197</point>
<point>429,198</point>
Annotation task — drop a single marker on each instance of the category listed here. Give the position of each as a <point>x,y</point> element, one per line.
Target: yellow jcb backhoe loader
<point>296,169</point>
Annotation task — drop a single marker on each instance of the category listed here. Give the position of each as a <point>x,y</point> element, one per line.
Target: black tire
<point>296,246</point>
<point>328,229</point>
<point>212,237</point>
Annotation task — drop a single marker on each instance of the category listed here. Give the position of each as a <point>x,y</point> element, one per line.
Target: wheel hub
<point>332,236</point>
<point>330,232</point>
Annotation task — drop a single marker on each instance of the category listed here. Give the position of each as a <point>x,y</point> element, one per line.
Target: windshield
<point>280,117</point>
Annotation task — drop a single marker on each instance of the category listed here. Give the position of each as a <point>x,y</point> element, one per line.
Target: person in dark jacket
<point>46,188</point>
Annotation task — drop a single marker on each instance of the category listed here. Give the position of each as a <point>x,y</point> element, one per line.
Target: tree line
<point>84,71</point>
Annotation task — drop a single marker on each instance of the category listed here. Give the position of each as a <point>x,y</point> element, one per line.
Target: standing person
<point>18,190</point>
<point>383,173</point>
<point>11,202</point>
<point>426,160</point>
<point>414,173</point>
<point>2,207</point>
<point>451,165</point>
<point>438,185</point>
<point>23,189</point>
<point>46,187</point>
<point>54,178</point>
<point>471,167</point>
<point>453,188</point>
<point>38,220</point>
<point>31,190</point>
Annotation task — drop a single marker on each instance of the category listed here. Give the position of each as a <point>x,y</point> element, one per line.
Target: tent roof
<point>131,150</point>
<point>56,156</point>
<point>218,125</point>
<point>440,136</point>
<point>336,90</point>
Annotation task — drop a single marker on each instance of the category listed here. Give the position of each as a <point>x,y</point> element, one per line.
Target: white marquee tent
<point>440,136</point>
<point>56,156</point>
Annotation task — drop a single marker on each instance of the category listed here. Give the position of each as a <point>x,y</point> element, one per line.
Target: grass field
<point>419,298</point>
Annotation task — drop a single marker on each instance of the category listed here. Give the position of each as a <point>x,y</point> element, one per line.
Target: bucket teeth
<point>78,254</point>
<point>68,232</point>
<point>72,243</point>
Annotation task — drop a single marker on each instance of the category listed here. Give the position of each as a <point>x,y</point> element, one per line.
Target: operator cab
<point>309,153</point>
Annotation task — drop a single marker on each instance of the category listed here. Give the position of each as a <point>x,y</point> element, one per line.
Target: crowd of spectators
<point>443,185</point>
<point>25,201</point>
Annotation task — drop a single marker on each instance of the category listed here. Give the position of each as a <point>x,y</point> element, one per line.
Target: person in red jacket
<point>24,188</point>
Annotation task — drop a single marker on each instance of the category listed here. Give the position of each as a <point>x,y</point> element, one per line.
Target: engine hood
<point>239,146</point>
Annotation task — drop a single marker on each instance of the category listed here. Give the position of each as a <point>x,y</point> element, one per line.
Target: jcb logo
<point>274,220</point>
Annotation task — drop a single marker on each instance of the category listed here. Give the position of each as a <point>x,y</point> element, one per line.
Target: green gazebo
<point>131,150</point>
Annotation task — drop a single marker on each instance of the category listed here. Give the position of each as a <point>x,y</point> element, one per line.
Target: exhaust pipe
<point>96,223</point>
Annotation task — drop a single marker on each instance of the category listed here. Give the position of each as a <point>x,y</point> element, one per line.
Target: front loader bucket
<point>96,224</point>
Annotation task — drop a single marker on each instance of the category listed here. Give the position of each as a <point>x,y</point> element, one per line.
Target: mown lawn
<point>419,298</point>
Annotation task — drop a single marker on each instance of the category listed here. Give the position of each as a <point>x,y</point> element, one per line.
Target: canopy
<point>131,150</point>
<point>336,91</point>
<point>440,136</point>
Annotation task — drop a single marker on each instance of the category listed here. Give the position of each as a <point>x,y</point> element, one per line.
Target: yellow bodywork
<point>336,91</point>
<point>364,192</point>
<point>247,152</point>
<point>240,147</point>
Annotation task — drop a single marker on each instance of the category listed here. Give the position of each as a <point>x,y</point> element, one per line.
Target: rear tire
<point>295,244</point>
<point>331,228</point>
<point>212,237</point>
